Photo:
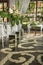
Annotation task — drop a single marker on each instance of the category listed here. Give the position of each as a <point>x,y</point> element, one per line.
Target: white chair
<point>28,27</point>
<point>5,31</point>
<point>9,30</point>
<point>15,28</point>
<point>19,26</point>
<point>0,30</point>
<point>2,33</point>
<point>20,30</point>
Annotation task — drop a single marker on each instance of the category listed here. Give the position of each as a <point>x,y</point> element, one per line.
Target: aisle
<point>29,52</point>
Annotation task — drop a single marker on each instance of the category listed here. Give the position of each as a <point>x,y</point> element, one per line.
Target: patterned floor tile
<point>28,52</point>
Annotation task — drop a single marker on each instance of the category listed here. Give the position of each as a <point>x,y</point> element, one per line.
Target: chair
<point>28,26</point>
<point>19,30</point>
<point>2,33</point>
<point>5,31</point>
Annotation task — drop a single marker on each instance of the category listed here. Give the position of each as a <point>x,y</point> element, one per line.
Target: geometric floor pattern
<point>29,52</point>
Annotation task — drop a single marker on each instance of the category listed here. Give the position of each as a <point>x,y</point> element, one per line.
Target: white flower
<point>10,11</point>
<point>17,12</point>
<point>14,7</point>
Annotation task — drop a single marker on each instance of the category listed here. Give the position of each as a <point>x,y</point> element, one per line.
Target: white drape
<point>11,3</point>
<point>23,5</point>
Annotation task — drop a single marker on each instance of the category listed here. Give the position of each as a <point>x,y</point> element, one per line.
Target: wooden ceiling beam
<point>3,0</point>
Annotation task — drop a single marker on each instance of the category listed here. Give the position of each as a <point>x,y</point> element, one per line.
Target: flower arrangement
<point>14,15</point>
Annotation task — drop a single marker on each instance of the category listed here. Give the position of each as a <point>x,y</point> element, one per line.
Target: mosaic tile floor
<point>29,52</point>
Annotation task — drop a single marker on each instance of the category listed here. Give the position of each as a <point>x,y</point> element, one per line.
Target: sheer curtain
<point>23,5</point>
<point>11,3</point>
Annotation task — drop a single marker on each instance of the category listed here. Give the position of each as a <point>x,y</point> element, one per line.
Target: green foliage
<point>34,23</point>
<point>17,4</point>
<point>24,26</point>
<point>31,7</point>
<point>3,14</point>
<point>15,17</point>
